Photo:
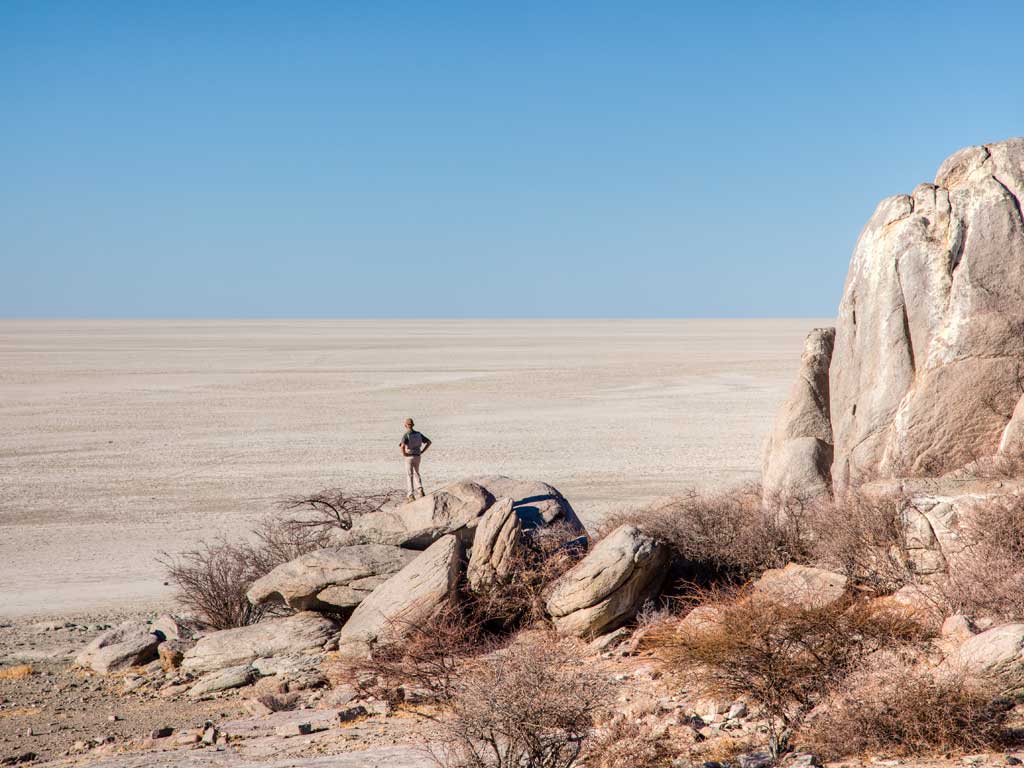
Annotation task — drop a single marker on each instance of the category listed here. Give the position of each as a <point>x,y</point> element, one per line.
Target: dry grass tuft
<point>19,672</point>
<point>897,710</point>
<point>530,705</point>
<point>628,744</point>
<point>986,578</point>
<point>862,537</point>
<point>784,658</point>
<point>720,537</point>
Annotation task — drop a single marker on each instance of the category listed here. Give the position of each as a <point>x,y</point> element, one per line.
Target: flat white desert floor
<point>122,439</point>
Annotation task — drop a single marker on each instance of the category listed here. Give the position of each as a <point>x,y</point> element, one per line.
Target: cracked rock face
<point>926,373</point>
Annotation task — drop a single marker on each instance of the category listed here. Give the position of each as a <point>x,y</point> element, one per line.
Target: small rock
<point>134,682</point>
<point>24,757</point>
<point>737,710</point>
<point>114,718</point>
<point>162,733</point>
<point>257,708</point>
<point>756,760</point>
<point>352,713</point>
<point>210,733</point>
<point>1011,760</point>
<point>803,760</point>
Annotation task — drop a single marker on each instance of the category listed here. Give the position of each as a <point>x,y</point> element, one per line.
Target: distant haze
<point>473,159</point>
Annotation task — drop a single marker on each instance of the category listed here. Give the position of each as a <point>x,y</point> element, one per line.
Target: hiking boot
<point>422,494</point>
<point>410,497</point>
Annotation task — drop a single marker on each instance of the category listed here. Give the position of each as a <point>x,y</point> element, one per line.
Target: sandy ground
<point>122,439</point>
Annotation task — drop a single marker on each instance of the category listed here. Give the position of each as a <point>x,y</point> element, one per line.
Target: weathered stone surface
<point>408,598</point>
<point>925,373</point>
<point>537,504</point>
<point>798,452</point>
<point>494,548</point>
<point>172,653</point>
<point>223,680</point>
<point>610,584</point>
<point>296,635</point>
<point>130,644</point>
<point>330,579</point>
<point>996,654</point>
<point>171,627</point>
<point>801,585</point>
<point>453,508</point>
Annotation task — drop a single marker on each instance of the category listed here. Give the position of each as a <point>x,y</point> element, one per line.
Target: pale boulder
<point>330,579</point>
<point>127,645</point>
<point>497,540</point>
<point>610,584</point>
<point>800,586</point>
<point>537,504</point>
<point>453,508</point>
<point>995,655</point>
<point>297,635</point>
<point>405,600</point>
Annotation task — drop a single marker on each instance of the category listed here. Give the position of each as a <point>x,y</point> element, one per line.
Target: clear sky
<point>478,159</point>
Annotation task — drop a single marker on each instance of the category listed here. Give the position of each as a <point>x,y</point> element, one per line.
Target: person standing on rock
<point>414,444</point>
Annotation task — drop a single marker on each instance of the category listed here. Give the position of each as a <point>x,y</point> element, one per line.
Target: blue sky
<point>375,159</point>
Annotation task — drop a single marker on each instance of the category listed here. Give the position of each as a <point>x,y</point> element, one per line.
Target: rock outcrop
<point>798,453</point>
<point>926,370</point>
<point>331,580</point>
<point>610,584</point>
<point>405,600</point>
<point>297,635</point>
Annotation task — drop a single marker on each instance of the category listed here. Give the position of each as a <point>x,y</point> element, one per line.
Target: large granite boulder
<point>127,645</point>
<point>330,579</point>
<point>926,370</point>
<point>798,452</point>
<point>453,508</point>
<point>405,600</point>
<point>608,587</point>
<point>537,504</point>
<point>301,634</point>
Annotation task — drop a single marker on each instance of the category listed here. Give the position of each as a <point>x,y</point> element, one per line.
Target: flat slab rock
<point>453,508</point>
<point>298,635</point>
<point>409,597</point>
<point>127,645</point>
<point>329,579</point>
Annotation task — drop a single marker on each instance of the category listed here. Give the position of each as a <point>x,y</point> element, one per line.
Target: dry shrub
<point>335,508</point>
<point>862,536</point>
<point>212,579</point>
<point>720,537</point>
<point>986,577</point>
<point>519,598</point>
<point>783,657</point>
<point>17,672</point>
<point>627,744</point>
<point>428,658</point>
<point>898,710</point>
<point>530,705</point>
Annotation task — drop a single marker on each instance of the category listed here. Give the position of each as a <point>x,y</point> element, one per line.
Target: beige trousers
<point>412,471</point>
